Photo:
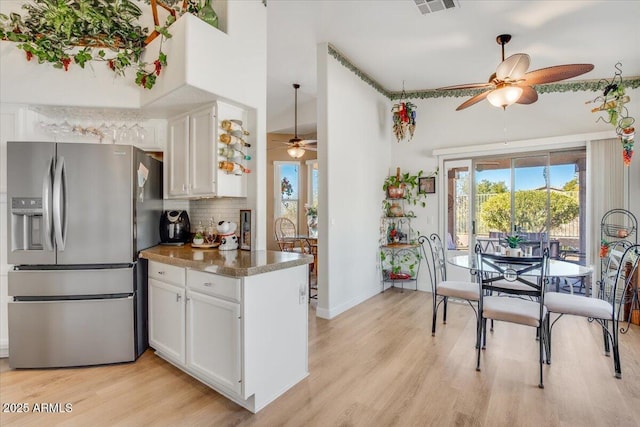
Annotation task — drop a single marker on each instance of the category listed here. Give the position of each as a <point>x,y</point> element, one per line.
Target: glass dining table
<point>557,268</point>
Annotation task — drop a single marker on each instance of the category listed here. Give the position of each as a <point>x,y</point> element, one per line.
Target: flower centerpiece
<point>312,220</point>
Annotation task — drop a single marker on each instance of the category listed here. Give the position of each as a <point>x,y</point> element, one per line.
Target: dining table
<point>557,268</point>
<point>305,241</point>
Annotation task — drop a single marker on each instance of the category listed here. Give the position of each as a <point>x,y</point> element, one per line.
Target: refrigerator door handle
<point>46,207</point>
<point>59,204</point>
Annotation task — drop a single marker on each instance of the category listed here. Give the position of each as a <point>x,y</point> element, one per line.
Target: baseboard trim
<point>4,349</point>
<point>330,313</point>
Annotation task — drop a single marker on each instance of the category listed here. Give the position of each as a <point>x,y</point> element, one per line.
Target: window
<point>287,190</point>
<point>312,182</point>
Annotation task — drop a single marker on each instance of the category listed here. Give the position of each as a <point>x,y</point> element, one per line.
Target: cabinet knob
<point>208,284</point>
<point>161,273</point>
<point>178,297</point>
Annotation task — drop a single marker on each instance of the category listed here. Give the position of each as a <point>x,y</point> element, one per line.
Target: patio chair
<point>618,269</point>
<point>441,288</point>
<point>512,290</point>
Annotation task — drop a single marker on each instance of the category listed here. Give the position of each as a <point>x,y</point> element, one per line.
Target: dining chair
<point>441,288</point>
<point>512,290</point>
<point>618,269</point>
<point>285,232</point>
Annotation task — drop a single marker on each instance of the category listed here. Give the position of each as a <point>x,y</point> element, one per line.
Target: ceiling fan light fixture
<point>295,152</point>
<point>504,96</point>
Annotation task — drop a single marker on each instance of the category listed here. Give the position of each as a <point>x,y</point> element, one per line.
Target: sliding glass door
<point>540,197</point>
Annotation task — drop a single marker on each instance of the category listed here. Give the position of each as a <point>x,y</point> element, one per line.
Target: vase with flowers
<point>312,220</point>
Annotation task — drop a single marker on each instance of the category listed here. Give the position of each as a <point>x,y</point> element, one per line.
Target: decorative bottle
<point>208,15</point>
<point>232,167</point>
<point>233,125</point>
<point>229,139</point>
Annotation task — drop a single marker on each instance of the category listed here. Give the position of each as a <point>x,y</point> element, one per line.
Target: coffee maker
<point>174,228</point>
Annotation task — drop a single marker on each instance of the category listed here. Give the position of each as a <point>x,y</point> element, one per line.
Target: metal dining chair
<point>512,290</point>
<point>441,288</point>
<point>616,278</point>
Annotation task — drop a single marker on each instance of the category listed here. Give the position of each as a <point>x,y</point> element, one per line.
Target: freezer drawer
<point>47,334</point>
<point>41,283</point>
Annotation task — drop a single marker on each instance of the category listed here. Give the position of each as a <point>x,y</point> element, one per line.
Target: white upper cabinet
<point>192,159</point>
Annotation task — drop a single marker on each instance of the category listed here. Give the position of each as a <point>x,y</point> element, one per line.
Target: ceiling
<point>392,42</point>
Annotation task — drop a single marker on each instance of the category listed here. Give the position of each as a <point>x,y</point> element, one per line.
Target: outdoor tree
<point>571,185</point>
<point>488,187</point>
<point>530,210</point>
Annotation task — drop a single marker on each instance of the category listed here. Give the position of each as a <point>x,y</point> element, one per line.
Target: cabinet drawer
<point>213,284</point>
<point>166,273</point>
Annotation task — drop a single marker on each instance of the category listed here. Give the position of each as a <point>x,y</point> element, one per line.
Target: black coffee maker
<point>174,228</point>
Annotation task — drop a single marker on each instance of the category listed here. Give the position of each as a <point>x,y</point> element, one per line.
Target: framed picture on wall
<point>427,184</point>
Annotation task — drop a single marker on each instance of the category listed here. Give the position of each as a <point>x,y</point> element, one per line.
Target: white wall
<point>353,155</point>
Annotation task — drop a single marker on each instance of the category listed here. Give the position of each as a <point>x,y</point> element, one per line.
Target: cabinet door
<point>167,319</point>
<point>213,339</point>
<point>203,154</point>
<point>178,157</point>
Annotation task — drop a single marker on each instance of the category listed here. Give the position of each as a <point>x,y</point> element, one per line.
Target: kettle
<point>174,228</point>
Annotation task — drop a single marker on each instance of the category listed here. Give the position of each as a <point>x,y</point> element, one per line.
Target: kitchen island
<point>235,320</point>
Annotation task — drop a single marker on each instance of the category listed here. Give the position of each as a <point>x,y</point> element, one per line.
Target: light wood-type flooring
<point>375,365</point>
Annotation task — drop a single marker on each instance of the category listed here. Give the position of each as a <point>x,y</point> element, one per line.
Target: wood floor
<point>375,365</point>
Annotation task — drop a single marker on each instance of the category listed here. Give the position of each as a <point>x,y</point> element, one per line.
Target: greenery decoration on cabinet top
<point>66,32</point>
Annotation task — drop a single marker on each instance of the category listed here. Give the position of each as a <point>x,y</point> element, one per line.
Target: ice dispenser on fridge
<point>26,224</point>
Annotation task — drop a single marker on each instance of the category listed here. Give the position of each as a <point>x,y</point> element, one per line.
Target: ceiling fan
<point>512,84</point>
<point>297,146</point>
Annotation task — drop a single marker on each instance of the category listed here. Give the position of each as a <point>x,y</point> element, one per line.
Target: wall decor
<point>612,104</point>
<point>427,185</point>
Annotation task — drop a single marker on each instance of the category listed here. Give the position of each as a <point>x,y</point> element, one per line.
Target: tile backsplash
<point>222,209</point>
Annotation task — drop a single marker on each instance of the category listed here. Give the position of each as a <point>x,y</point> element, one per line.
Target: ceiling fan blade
<point>466,86</point>
<point>529,95</point>
<point>557,73</point>
<point>308,142</point>
<point>514,67</point>
<point>473,100</point>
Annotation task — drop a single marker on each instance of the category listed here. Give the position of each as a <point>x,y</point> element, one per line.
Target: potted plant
<point>403,186</point>
<point>512,243</point>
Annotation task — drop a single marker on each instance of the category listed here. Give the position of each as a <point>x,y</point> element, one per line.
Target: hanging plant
<point>612,102</point>
<point>404,120</point>
<point>64,32</point>
<point>286,188</point>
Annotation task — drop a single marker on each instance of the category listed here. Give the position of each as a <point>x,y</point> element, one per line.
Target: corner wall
<point>353,160</point>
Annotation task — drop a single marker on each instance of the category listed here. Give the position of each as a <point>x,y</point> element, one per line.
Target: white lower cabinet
<point>167,319</point>
<point>213,339</point>
<point>244,337</point>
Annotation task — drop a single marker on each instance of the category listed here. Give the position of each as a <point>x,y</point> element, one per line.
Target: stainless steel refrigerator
<point>77,216</point>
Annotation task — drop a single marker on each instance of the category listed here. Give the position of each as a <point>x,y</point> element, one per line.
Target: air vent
<point>428,6</point>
